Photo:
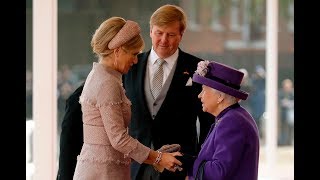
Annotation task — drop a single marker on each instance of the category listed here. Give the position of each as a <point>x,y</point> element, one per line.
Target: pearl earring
<point>115,63</point>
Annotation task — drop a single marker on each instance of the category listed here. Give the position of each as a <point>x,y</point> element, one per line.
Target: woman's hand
<point>169,162</point>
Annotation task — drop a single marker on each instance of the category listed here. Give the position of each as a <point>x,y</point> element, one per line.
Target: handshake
<point>185,159</point>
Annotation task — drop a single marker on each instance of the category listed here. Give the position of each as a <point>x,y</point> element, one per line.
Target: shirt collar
<point>169,60</point>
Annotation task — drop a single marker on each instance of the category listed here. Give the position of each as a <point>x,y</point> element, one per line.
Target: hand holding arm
<point>169,148</point>
<point>170,162</point>
<point>162,160</point>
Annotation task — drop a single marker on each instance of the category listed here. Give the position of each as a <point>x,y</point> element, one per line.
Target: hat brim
<point>219,86</point>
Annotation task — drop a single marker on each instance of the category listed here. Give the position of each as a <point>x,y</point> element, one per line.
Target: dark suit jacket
<point>71,138</point>
<point>175,122</point>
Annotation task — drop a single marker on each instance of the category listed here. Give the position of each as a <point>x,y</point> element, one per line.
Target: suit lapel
<point>181,74</point>
<point>180,77</point>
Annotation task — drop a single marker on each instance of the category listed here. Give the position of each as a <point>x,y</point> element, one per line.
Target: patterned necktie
<point>157,79</point>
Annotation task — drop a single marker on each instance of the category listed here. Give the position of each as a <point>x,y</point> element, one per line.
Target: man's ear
<point>182,32</point>
<point>150,31</point>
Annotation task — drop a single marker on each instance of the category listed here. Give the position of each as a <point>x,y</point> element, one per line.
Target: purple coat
<point>231,148</point>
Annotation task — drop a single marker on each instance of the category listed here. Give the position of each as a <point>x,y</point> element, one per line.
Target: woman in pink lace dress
<point>108,148</point>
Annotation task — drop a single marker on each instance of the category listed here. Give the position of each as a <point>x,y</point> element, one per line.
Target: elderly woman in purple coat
<point>231,149</point>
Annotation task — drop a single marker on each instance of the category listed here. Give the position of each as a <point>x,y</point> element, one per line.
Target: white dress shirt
<point>167,65</point>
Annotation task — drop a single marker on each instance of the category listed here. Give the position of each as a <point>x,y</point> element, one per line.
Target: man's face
<point>165,39</point>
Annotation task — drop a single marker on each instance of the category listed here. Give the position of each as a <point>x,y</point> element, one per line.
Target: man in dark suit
<point>171,116</point>
<point>71,137</point>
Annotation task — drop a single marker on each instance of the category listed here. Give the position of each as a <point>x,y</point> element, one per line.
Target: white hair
<point>228,98</point>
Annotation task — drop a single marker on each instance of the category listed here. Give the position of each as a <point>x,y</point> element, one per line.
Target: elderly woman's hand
<point>170,148</point>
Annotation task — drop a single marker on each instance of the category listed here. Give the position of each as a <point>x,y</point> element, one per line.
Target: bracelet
<point>158,159</point>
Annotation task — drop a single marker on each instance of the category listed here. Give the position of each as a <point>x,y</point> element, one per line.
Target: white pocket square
<point>189,82</point>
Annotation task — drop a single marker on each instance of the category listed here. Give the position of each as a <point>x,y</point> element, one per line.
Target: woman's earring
<point>115,62</point>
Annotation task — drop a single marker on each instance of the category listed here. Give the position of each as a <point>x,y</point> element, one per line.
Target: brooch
<point>186,72</point>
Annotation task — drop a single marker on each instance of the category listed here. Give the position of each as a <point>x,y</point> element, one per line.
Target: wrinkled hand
<point>170,148</point>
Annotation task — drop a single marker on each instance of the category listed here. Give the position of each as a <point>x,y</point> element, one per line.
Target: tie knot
<point>160,61</point>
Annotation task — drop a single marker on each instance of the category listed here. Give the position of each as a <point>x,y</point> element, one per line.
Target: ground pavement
<point>284,168</point>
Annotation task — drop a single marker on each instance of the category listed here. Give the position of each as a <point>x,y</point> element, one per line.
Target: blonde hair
<point>168,14</point>
<point>106,32</point>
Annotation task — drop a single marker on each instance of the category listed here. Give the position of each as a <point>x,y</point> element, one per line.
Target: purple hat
<point>220,77</point>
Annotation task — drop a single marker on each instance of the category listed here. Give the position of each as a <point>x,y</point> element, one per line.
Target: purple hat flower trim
<point>220,77</point>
